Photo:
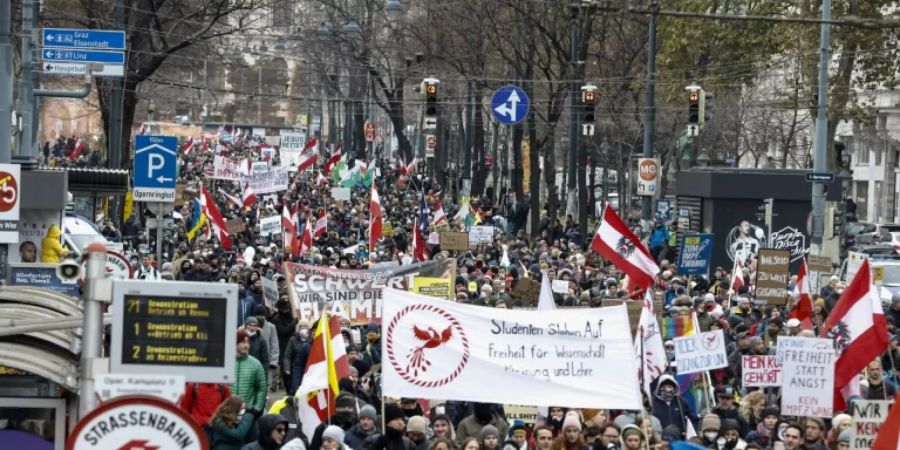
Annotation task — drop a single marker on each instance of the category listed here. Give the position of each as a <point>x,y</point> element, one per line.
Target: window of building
<point>859,151</point>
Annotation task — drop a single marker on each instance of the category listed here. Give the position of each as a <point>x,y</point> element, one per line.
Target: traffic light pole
<point>819,163</point>
<point>574,86</point>
<point>6,82</point>
<point>650,106</point>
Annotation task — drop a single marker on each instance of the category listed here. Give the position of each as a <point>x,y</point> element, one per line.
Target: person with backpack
<point>201,400</point>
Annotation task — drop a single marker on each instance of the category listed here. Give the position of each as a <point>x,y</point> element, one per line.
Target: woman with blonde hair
<point>751,408</point>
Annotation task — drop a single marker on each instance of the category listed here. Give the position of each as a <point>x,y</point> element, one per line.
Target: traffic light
<point>706,106</point>
<point>430,87</point>
<point>694,107</point>
<point>589,102</point>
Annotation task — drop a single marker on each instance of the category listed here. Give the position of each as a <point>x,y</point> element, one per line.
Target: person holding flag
<point>375,219</point>
<point>326,365</point>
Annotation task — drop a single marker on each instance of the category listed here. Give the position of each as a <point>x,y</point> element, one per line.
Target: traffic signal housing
<point>430,87</point>
<point>589,103</point>
<point>694,115</point>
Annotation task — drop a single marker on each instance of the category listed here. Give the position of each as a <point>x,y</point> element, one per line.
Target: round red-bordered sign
<point>89,434</point>
<point>411,375</point>
<point>9,191</point>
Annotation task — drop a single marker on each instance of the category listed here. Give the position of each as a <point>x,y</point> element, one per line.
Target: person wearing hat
<point>482,415</point>
<point>372,352</point>
<point>249,375</point>
<point>416,431</point>
<point>709,429</point>
<point>273,429</point>
<point>258,346</point>
<point>726,408</point>
<point>843,441</point>
<point>489,438</point>
<point>270,335</point>
<point>730,432</point>
<point>631,438</point>
<point>366,426</point>
<point>333,438</point>
<point>517,437</point>
<point>392,438</point>
<point>571,437</point>
<point>345,408</point>
<point>669,406</point>
<point>296,354</point>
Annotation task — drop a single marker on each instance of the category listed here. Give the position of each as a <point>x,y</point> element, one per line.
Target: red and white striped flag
<point>308,156</point>
<point>859,331</point>
<point>247,196</point>
<point>321,180</point>
<point>188,146</point>
<point>306,239</point>
<point>289,230</point>
<point>326,365</point>
<point>333,159</point>
<point>420,251</point>
<point>439,216</point>
<point>144,129</point>
<point>615,242</point>
<point>216,221</point>
<point>737,277</point>
<point>803,310</point>
<point>375,219</point>
<point>233,200</point>
<point>321,223</point>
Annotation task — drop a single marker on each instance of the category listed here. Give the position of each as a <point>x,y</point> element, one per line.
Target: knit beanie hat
<point>630,430</point>
<point>489,430</point>
<point>368,412</point>
<point>710,422</point>
<point>242,335</point>
<point>571,420</point>
<point>417,424</point>
<point>345,401</point>
<point>335,432</point>
<point>839,419</point>
<point>729,424</point>
<point>844,436</point>
<point>771,411</point>
<point>392,412</point>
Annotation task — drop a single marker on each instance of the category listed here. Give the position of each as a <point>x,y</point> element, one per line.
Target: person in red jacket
<point>201,400</point>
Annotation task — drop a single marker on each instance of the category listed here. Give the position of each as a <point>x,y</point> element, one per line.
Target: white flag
<point>651,355</point>
<point>545,299</point>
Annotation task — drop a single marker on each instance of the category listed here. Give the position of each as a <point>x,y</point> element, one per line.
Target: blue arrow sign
<point>82,56</point>
<point>155,163</point>
<point>509,105</point>
<point>97,39</point>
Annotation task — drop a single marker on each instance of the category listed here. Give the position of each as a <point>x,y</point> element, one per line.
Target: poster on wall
<point>790,239</point>
<point>33,227</point>
<point>742,242</point>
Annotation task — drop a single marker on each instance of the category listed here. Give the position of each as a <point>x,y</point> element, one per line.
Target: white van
<point>78,233</point>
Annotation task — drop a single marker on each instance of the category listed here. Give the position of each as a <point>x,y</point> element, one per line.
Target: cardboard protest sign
<point>270,291</point>
<point>868,415</point>
<point>560,286</point>
<point>760,371</point>
<point>527,290</point>
<point>453,240</point>
<point>235,226</point>
<point>700,352</point>
<point>772,276</point>
<point>525,413</point>
<point>634,310</point>
<point>340,193</point>
<point>807,380</point>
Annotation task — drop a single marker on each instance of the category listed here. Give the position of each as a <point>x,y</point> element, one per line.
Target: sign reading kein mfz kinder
<point>174,327</point>
<point>154,168</point>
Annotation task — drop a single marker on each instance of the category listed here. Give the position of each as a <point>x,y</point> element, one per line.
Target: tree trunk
<point>549,172</point>
<point>478,180</point>
<point>535,179</point>
<point>129,106</point>
<point>517,172</point>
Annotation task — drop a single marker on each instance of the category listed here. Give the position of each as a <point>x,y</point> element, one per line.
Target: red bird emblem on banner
<point>431,339</point>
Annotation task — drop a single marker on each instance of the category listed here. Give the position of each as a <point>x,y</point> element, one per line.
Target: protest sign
<point>292,141</point>
<point>700,352</point>
<point>560,286</point>
<point>772,276</point>
<point>454,240</point>
<point>355,294</point>
<point>273,180</point>
<point>868,415</point>
<point>527,289</point>
<point>270,291</point>
<point>694,254</point>
<point>340,193</point>
<point>527,414</point>
<point>269,225</point>
<point>448,350</point>
<point>235,226</point>
<point>259,166</point>
<point>807,376</point>
<point>433,287</point>
<point>267,153</point>
<point>819,267</point>
<point>481,234</point>
<point>226,169</point>
<point>760,371</point>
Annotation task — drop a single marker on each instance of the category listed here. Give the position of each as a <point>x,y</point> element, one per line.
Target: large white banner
<point>272,180</point>
<point>226,169</point>
<point>581,358</point>
<point>807,376</point>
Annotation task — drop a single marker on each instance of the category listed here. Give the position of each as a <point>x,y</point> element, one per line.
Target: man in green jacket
<point>249,376</point>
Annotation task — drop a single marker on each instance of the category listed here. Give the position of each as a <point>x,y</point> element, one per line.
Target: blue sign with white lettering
<point>155,163</point>
<point>695,254</point>
<point>92,39</point>
<point>509,105</point>
<point>82,56</point>
<point>664,210</point>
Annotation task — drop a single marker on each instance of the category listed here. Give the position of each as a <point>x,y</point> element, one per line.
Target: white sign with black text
<point>700,352</point>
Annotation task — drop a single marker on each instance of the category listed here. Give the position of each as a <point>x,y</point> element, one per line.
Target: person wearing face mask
<point>296,352</point>
<point>345,408</point>
<point>270,335</point>
<point>709,430</point>
<point>258,346</point>
<point>731,436</point>
<point>246,303</point>
<point>392,438</point>
<point>668,405</point>
<point>372,352</point>
<point>411,408</point>
<point>482,415</point>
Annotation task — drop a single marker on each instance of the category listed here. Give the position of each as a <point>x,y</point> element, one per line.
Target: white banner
<point>700,352</point>
<point>269,225</point>
<point>273,180</point>
<point>448,350</point>
<point>807,380</point>
<point>226,169</point>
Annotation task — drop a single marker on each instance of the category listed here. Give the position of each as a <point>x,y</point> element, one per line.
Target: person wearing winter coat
<point>201,400</point>
<point>482,415</point>
<point>285,324</point>
<point>249,375</point>
<point>333,438</point>
<point>731,432</point>
<point>365,427</point>
<point>259,348</point>
<point>296,352</point>
<point>52,251</point>
<point>416,428</point>
<point>669,406</point>
<point>270,336</point>
<point>272,430</point>
<point>392,438</point>
<point>230,429</point>
<point>287,408</point>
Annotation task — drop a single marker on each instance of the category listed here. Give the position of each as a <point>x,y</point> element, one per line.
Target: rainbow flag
<point>673,327</point>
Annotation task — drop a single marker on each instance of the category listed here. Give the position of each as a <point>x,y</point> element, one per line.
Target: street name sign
<point>820,177</point>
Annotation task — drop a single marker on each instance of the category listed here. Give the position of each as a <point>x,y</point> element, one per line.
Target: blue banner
<point>695,254</point>
<point>41,276</point>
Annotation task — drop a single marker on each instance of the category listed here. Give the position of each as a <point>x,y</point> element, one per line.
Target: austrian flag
<point>615,242</point>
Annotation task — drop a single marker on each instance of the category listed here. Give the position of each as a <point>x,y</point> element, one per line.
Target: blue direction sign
<point>509,105</point>
<point>155,163</point>
<point>97,39</point>
<point>83,56</point>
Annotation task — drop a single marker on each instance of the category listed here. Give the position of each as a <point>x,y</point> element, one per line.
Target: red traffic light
<point>694,96</point>
<point>431,89</point>
<point>589,97</point>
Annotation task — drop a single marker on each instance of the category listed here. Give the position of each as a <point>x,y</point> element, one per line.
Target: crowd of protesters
<point>273,344</point>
